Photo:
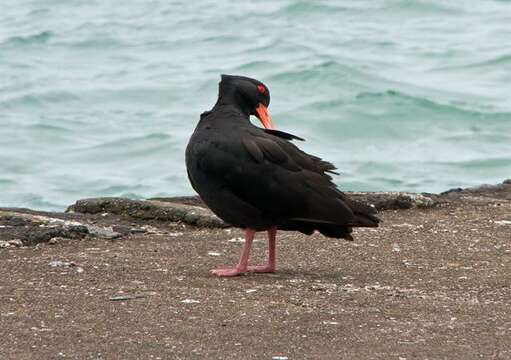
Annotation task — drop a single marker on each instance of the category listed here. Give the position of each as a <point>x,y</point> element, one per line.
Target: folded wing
<point>293,187</point>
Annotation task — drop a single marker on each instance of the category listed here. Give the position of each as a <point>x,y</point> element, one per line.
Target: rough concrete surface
<point>430,283</point>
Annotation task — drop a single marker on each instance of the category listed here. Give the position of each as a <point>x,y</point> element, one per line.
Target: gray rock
<point>103,232</point>
<point>395,200</point>
<point>496,192</point>
<point>4,244</point>
<point>149,210</point>
<point>16,242</point>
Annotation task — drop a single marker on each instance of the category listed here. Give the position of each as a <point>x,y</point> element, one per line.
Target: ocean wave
<point>39,99</point>
<point>142,94</point>
<point>255,66</point>
<point>480,164</point>
<point>130,191</point>
<point>422,7</point>
<point>309,7</point>
<point>38,12</point>
<point>468,137</point>
<point>51,129</point>
<point>98,42</point>
<point>37,201</point>
<point>221,38</point>
<point>325,72</point>
<point>34,39</point>
<point>423,102</point>
<point>492,63</point>
<point>7,182</point>
<point>128,148</point>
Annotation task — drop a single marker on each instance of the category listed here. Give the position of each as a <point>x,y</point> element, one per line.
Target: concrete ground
<point>428,284</point>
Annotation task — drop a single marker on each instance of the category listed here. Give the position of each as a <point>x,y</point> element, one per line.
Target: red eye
<point>261,89</point>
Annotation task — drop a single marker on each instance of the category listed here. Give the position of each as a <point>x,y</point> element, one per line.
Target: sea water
<point>99,98</point>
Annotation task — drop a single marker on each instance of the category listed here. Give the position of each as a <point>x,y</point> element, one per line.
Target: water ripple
<point>34,39</point>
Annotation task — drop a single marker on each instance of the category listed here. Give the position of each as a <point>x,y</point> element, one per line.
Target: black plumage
<point>257,178</point>
<point>253,177</point>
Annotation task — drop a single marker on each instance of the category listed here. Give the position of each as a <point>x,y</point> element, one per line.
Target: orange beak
<point>262,114</point>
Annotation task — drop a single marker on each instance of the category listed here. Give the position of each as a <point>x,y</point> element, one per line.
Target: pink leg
<point>242,265</point>
<point>270,265</point>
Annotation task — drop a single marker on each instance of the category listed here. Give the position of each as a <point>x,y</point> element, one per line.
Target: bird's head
<point>250,95</point>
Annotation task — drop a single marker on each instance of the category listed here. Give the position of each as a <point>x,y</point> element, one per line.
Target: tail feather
<point>365,215</point>
<point>336,231</point>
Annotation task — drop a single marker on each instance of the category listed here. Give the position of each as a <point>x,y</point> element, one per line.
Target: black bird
<point>256,179</point>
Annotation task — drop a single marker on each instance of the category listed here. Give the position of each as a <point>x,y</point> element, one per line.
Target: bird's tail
<point>336,231</point>
<point>365,215</point>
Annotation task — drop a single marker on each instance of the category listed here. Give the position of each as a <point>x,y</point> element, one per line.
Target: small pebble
<point>330,323</point>
<point>126,297</point>
<point>59,263</point>
<point>190,301</point>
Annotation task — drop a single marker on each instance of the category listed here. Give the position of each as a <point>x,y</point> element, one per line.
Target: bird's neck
<point>229,96</point>
<point>229,113</point>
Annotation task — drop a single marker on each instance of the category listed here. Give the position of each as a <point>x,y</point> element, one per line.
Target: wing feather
<point>291,178</point>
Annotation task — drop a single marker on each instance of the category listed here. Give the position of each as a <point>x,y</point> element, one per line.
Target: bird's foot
<point>228,272</point>
<point>268,268</point>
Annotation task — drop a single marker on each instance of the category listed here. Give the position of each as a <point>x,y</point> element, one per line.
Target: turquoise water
<point>98,98</point>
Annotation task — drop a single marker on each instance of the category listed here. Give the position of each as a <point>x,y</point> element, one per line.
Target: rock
<point>45,234</point>
<point>454,190</point>
<point>395,200</point>
<point>424,201</point>
<point>103,232</point>
<point>150,210</point>
<point>13,220</point>
<point>111,218</point>
<point>482,192</point>
<point>16,242</point>
<point>126,230</point>
<point>4,244</point>
<point>186,200</point>
<point>77,229</point>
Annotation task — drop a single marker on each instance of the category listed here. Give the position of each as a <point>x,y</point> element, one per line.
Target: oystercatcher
<point>258,180</point>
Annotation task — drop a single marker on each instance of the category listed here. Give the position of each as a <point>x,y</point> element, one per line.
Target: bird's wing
<point>282,181</point>
<point>365,214</point>
<point>282,134</point>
